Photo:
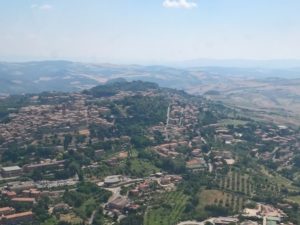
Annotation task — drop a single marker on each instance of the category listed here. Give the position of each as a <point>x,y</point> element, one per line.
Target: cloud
<point>44,7</point>
<point>185,4</point>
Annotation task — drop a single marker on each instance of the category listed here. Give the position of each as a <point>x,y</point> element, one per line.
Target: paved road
<point>264,220</point>
<point>212,220</point>
<point>115,193</point>
<point>181,117</point>
<point>167,123</point>
<point>168,114</point>
<point>195,222</point>
<point>91,219</point>
<point>191,223</point>
<point>210,167</point>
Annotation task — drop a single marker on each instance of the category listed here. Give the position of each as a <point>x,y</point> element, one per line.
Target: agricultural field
<point>168,209</point>
<point>237,182</point>
<point>216,197</point>
<point>260,185</point>
<point>267,99</point>
<point>280,180</point>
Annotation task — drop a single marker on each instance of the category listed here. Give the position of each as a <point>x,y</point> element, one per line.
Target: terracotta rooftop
<point>23,199</point>
<point>17,215</point>
<point>3,209</point>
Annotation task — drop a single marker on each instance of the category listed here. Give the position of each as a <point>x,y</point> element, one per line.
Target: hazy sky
<point>149,30</point>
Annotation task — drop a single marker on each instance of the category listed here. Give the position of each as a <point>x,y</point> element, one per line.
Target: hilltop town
<point>135,153</point>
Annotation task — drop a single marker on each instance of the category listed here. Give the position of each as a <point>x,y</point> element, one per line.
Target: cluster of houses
<point>181,120</point>
<point>224,135</point>
<point>221,158</point>
<point>168,149</point>
<point>24,195</point>
<point>25,198</point>
<point>10,217</point>
<point>268,214</point>
<point>139,191</point>
<point>16,171</point>
<point>262,214</point>
<point>285,140</point>
<point>115,160</point>
<point>61,118</point>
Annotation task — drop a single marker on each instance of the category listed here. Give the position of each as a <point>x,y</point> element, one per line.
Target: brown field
<point>277,101</point>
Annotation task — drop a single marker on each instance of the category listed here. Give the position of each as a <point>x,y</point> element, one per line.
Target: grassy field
<point>136,167</point>
<point>51,221</point>
<point>142,168</point>
<point>168,209</point>
<point>232,122</point>
<point>295,199</point>
<point>71,218</point>
<point>217,197</point>
<point>210,197</point>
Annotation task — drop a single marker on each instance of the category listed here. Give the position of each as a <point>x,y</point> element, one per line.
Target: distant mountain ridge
<point>240,63</point>
<point>34,77</point>
<point>66,76</point>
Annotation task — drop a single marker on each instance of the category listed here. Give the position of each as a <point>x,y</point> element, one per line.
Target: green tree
<point>67,141</point>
